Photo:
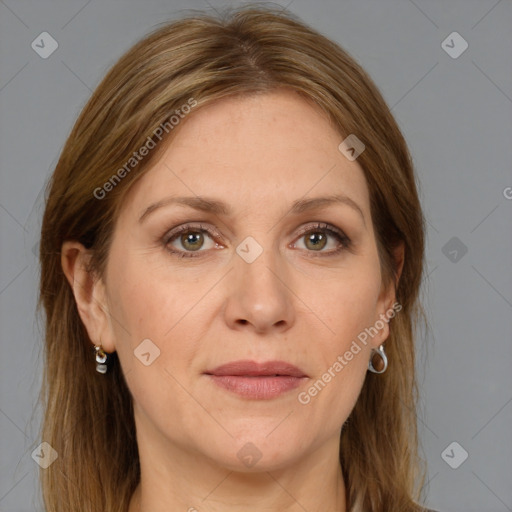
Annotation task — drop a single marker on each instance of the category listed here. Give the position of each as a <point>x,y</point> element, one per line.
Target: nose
<point>260,296</point>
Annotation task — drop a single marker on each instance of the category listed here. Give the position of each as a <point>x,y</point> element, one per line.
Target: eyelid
<point>320,226</point>
<point>190,227</point>
<point>199,226</point>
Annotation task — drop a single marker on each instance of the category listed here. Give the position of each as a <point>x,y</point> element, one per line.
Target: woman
<point>231,254</point>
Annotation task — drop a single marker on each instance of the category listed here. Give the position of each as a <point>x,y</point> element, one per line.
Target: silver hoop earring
<point>383,362</point>
<point>101,359</point>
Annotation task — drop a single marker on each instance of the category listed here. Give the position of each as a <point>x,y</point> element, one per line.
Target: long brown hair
<point>89,418</point>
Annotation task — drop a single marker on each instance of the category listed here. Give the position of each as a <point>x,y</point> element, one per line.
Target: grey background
<point>456,115</point>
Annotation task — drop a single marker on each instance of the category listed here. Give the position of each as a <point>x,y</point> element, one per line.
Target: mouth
<point>259,381</point>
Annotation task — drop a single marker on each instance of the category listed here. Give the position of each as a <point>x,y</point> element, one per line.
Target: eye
<point>316,237</point>
<point>190,238</point>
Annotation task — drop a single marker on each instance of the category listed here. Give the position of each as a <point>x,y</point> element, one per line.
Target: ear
<point>90,294</point>
<point>399,258</point>
<point>387,306</point>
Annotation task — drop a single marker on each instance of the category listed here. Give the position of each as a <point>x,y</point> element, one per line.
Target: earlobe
<point>89,293</point>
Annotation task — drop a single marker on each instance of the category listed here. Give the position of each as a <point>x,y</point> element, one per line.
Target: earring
<point>382,364</point>
<point>101,359</point>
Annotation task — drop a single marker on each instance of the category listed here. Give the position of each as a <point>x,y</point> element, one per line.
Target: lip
<point>260,381</point>
<point>254,369</point>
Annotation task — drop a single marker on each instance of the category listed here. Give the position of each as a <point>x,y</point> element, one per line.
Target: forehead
<point>254,151</point>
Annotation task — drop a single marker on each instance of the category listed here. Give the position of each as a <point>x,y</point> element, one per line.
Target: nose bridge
<point>259,266</point>
<point>258,294</point>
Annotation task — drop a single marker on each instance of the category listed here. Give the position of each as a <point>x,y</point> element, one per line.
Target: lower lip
<point>261,388</point>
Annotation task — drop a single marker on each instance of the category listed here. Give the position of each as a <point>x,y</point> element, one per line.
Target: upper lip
<point>255,369</point>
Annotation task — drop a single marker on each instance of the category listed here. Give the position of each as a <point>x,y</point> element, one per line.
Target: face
<point>234,312</point>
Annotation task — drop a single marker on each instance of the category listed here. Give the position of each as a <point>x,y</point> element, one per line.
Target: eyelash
<point>344,240</point>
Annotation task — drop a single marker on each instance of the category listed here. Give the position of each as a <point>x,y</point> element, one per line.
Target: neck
<point>188,483</point>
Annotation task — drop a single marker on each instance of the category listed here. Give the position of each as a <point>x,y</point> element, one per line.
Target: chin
<point>256,453</point>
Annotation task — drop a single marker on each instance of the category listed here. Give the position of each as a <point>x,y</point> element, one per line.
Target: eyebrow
<point>211,205</point>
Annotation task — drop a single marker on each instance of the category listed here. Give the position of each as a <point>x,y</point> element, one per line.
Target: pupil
<point>317,240</point>
<point>192,239</point>
<point>316,237</point>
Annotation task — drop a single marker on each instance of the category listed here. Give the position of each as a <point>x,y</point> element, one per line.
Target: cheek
<point>154,343</point>
<point>349,311</point>
<point>141,303</point>
<point>349,305</point>
<point>148,302</point>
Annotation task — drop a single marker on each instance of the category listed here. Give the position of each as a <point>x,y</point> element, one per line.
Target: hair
<point>88,418</point>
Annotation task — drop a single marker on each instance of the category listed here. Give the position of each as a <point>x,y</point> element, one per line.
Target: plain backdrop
<point>454,105</point>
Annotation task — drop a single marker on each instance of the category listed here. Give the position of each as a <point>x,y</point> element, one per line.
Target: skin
<point>294,303</point>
